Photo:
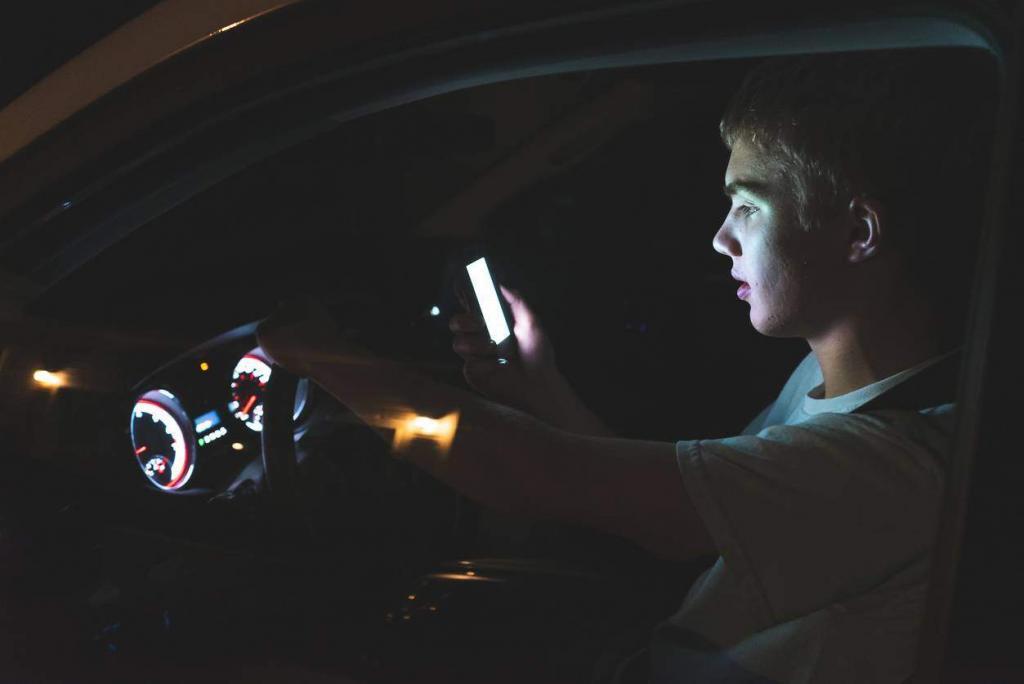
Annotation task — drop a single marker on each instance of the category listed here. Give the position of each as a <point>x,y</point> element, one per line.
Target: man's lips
<point>744,290</point>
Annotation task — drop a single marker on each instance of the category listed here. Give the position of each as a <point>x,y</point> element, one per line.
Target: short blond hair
<point>893,125</point>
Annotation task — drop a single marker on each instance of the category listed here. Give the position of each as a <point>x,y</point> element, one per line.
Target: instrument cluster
<point>197,422</point>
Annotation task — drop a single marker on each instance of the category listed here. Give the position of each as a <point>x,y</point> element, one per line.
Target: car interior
<point>594,192</point>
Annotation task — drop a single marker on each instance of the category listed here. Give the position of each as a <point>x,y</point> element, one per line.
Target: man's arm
<point>506,459</point>
<point>558,404</point>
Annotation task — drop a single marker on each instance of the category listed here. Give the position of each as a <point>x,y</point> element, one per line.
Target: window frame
<point>476,55</point>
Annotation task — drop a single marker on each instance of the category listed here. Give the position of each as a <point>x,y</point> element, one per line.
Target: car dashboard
<point>194,427</point>
<point>196,422</point>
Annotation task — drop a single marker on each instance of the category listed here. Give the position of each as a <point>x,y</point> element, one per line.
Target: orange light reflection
<point>463,578</point>
<point>50,379</point>
<point>411,426</point>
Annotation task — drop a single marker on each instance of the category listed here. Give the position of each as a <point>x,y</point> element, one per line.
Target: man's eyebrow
<point>751,187</point>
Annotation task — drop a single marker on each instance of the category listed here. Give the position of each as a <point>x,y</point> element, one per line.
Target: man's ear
<point>867,224</point>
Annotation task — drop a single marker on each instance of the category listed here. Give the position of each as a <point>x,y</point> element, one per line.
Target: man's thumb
<point>520,310</point>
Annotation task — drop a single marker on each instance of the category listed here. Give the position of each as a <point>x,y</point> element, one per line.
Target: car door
<point>612,36</point>
<point>976,599</point>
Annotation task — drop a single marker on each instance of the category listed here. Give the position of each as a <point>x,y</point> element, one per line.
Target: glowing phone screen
<point>490,307</point>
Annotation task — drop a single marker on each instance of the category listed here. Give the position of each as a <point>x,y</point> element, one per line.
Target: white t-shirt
<point>823,520</point>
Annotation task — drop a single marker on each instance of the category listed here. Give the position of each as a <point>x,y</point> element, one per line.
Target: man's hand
<point>529,381</point>
<point>520,381</point>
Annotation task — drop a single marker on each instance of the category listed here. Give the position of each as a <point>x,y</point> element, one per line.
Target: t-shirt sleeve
<point>756,425</point>
<point>814,513</point>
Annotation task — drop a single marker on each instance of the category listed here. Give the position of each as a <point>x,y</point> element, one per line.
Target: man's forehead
<point>748,186</point>
<point>746,172</point>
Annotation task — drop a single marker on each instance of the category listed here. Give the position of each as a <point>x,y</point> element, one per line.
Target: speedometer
<point>248,382</point>
<point>163,440</point>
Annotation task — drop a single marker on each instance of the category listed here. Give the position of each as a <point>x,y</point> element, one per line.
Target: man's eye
<point>745,210</point>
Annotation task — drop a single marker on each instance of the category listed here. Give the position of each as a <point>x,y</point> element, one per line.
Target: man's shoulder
<point>857,441</point>
<point>831,427</point>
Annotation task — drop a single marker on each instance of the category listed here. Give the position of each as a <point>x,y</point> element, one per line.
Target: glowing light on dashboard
<point>206,421</point>
<point>435,311</point>
<point>237,446</point>
<point>215,435</point>
<point>204,366</point>
<point>50,379</point>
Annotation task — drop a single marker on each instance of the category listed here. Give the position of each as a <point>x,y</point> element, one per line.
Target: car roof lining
<point>854,35</point>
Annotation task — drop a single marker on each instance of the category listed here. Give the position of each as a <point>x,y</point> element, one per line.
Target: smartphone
<point>491,306</point>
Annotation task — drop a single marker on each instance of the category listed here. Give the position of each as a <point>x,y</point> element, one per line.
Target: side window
<point>597,193</point>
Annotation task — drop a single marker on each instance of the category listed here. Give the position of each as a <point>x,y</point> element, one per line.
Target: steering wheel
<point>277,447</point>
<point>295,510</point>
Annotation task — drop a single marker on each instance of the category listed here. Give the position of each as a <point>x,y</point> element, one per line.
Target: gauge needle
<point>248,404</point>
<point>140,450</point>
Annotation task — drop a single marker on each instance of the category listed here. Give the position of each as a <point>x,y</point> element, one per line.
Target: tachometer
<point>163,439</point>
<point>248,383</point>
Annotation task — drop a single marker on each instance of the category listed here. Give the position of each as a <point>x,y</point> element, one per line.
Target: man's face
<point>787,275</point>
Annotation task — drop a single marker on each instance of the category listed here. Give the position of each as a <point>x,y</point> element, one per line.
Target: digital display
<point>487,296</point>
<point>212,436</point>
<point>207,421</point>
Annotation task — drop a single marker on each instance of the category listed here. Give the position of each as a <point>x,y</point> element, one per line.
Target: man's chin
<point>770,327</point>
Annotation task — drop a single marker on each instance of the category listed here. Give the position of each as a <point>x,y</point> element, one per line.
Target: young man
<point>823,511</point>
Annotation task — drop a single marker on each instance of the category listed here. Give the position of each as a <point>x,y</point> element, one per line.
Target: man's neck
<point>858,352</point>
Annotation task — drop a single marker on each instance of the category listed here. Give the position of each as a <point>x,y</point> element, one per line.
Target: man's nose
<point>725,242</point>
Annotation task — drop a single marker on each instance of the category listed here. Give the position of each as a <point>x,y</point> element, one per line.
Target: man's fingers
<point>520,311</point>
<point>474,346</point>
<point>511,296</point>
<point>478,371</point>
<point>463,296</point>
<point>465,323</point>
